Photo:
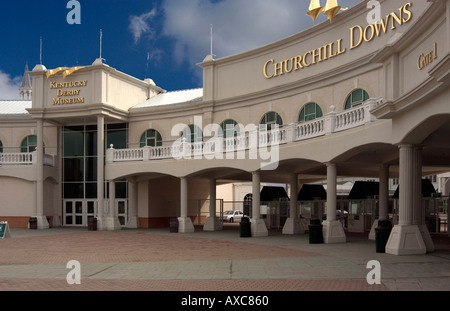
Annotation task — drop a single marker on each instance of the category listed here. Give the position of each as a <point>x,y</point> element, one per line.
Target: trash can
<point>33,223</point>
<point>92,224</point>
<point>382,233</point>
<point>315,232</point>
<point>245,228</point>
<point>174,225</point>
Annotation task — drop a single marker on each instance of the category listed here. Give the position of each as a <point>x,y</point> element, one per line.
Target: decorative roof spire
<point>25,89</point>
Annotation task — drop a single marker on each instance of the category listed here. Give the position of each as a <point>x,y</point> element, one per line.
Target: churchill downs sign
<point>358,35</point>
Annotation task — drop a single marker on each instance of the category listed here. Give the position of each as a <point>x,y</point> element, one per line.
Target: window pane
<point>69,209</point>
<point>91,144</point>
<point>121,190</point>
<point>118,138</point>
<point>73,169</point>
<point>91,169</point>
<point>357,96</point>
<point>91,190</point>
<point>73,191</point>
<point>73,144</point>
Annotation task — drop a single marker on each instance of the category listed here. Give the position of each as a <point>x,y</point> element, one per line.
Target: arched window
<point>230,128</point>
<point>151,138</point>
<point>310,111</point>
<point>193,134</point>
<point>356,98</point>
<point>29,144</point>
<point>1,147</point>
<point>270,120</point>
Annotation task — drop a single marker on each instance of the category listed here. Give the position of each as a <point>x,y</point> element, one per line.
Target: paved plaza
<point>157,260</point>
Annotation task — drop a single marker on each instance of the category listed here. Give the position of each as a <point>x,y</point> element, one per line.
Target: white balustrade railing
<point>25,158</point>
<point>331,123</point>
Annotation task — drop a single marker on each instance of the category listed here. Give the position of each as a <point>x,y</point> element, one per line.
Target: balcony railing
<point>25,158</point>
<point>331,123</point>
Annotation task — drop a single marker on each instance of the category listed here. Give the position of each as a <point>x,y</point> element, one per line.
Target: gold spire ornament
<point>332,9</point>
<point>315,9</point>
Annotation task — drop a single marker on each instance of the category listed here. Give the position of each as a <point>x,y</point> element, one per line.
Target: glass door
<point>74,214</point>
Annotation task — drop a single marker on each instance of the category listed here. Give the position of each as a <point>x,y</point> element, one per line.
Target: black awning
<point>427,189</point>
<point>364,189</point>
<point>269,193</point>
<point>312,192</point>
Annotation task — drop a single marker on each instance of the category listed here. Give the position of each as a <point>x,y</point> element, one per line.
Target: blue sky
<point>175,33</point>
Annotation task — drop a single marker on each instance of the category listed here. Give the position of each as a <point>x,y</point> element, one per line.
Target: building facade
<point>347,99</point>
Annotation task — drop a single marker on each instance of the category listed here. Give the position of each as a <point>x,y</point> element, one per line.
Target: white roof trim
<point>171,98</point>
<point>15,108</point>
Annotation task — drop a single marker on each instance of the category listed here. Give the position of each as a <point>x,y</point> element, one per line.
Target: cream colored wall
<point>159,198</point>
<point>289,107</point>
<point>241,75</point>
<point>12,137</point>
<point>18,197</point>
<point>125,93</point>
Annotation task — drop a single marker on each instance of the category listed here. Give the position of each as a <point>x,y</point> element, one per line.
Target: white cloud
<point>9,87</point>
<point>139,25</point>
<point>238,25</point>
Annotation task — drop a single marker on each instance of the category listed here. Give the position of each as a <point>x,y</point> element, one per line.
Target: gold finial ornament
<point>315,9</point>
<point>332,9</point>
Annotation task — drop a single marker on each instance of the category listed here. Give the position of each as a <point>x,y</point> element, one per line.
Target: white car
<point>232,216</point>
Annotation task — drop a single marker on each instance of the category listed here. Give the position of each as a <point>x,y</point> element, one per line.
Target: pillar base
<point>213,224</point>
<point>108,224</point>
<point>372,230</point>
<point>133,223</point>
<point>406,240</point>
<point>333,232</point>
<point>185,225</point>
<point>56,221</point>
<point>293,226</point>
<point>42,222</point>
<point>427,238</point>
<point>259,228</point>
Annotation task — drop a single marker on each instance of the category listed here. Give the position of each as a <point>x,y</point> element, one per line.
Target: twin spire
<point>331,9</point>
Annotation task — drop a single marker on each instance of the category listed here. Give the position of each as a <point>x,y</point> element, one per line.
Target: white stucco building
<point>341,100</point>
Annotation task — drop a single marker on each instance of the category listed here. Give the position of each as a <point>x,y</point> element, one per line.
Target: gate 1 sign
<point>4,230</point>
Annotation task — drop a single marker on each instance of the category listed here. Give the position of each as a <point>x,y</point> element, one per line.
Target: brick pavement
<point>146,260</point>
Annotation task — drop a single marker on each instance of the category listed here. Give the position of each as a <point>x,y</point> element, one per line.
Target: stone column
<point>418,208</point>
<point>213,222</point>
<point>111,221</point>
<point>258,225</point>
<point>100,173</point>
<point>184,222</point>
<point>293,224</point>
<point>383,201</point>
<point>333,232</point>
<point>133,219</point>
<point>42,222</point>
<point>406,238</point>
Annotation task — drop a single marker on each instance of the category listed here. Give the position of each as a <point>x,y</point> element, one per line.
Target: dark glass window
<point>271,119</point>
<point>29,144</point>
<point>193,134</point>
<point>356,98</point>
<point>151,138</point>
<point>229,128</point>
<point>310,112</point>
